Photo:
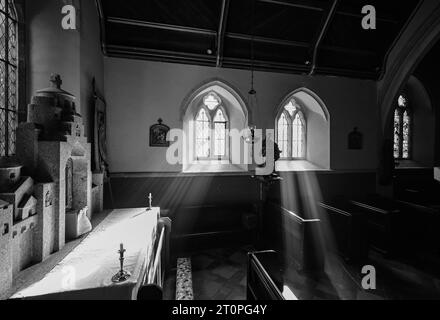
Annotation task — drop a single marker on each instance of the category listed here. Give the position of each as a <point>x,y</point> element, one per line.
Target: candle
<point>121,247</point>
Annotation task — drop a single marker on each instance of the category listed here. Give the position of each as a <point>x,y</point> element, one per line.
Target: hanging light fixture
<point>252,94</point>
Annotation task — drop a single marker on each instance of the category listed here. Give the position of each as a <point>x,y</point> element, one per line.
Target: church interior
<point>219,150</point>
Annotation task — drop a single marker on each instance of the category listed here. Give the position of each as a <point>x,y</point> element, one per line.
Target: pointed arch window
<point>8,77</point>
<point>211,130</point>
<point>291,132</point>
<point>402,129</point>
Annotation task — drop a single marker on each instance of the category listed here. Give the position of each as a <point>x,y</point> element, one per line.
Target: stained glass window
<point>406,134</point>
<point>298,137</point>
<point>402,129</point>
<point>211,130</point>
<point>291,132</point>
<point>396,134</point>
<point>8,77</point>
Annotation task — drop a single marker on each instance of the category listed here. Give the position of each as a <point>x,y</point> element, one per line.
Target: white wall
<point>138,93</point>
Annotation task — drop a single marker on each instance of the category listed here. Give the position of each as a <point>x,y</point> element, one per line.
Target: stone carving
<point>69,184</point>
<point>51,140</point>
<point>48,199</point>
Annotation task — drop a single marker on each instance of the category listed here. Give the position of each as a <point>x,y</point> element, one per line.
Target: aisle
<point>220,274</point>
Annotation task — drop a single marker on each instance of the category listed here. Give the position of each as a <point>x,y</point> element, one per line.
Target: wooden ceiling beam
<point>231,35</point>
<point>291,43</point>
<point>317,6</point>
<point>101,15</point>
<point>322,33</point>
<point>309,5</point>
<point>221,31</point>
<point>162,26</point>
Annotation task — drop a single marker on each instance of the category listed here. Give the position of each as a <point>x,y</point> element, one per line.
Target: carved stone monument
<point>53,147</point>
<point>50,178</point>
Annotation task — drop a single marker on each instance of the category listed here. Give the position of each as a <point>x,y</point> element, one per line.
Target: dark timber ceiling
<point>297,36</point>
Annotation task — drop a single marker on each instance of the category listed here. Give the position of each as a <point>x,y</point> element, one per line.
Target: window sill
<point>407,164</point>
<point>207,166</point>
<point>296,165</point>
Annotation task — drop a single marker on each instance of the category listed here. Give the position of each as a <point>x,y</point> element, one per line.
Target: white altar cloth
<point>86,272</point>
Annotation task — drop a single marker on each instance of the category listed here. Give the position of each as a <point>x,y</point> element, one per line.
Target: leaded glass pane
<point>2,85</point>
<point>12,125</point>
<point>220,139</point>
<point>2,35</point>
<point>12,39</point>
<point>298,137</point>
<point>202,135</point>
<point>283,135</point>
<point>11,10</point>
<point>397,124</point>
<point>8,77</point>
<point>12,98</point>
<point>220,134</point>
<point>2,133</point>
<point>406,135</point>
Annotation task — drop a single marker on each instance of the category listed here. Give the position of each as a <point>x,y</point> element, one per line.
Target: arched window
<point>291,132</point>
<point>8,77</point>
<point>402,129</point>
<point>211,130</point>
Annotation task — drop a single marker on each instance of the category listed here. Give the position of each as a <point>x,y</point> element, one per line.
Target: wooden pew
<point>294,237</point>
<point>265,278</point>
<point>386,222</point>
<point>210,226</point>
<point>154,278</point>
<point>349,228</point>
<point>421,227</point>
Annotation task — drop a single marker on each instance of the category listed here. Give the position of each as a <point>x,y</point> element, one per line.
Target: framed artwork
<point>158,135</point>
<point>100,163</point>
<point>355,140</point>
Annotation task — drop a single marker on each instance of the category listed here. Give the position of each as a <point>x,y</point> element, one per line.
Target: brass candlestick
<point>122,275</point>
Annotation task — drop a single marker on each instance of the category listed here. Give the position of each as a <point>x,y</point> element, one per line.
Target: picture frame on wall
<point>158,135</point>
<point>355,140</point>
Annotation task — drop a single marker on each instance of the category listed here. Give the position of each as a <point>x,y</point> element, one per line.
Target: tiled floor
<point>220,274</point>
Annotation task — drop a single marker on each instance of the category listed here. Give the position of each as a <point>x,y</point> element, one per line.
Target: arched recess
<point>238,116</point>
<point>406,56</point>
<point>228,90</point>
<point>317,124</point>
<point>422,124</point>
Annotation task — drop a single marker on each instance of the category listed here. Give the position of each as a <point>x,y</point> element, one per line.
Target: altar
<point>86,273</point>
